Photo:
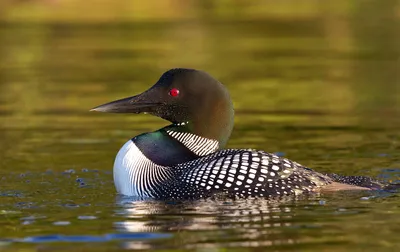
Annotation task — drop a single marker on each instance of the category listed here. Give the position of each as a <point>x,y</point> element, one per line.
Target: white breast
<point>136,175</point>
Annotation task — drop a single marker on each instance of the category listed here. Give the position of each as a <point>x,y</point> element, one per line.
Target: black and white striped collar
<point>200,146</point>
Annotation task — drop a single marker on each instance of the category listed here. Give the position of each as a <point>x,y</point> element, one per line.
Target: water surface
<point>318,85</point>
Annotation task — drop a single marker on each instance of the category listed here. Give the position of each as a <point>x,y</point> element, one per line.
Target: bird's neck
<point>197,143</point>
<point>212,121</point>
<point>162,149</point>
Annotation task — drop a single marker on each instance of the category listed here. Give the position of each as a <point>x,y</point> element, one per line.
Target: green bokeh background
<point>318,81</point>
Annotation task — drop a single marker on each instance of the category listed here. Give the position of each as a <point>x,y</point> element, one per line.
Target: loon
<point>187,159</point>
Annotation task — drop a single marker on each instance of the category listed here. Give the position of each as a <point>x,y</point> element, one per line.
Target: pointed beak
<point>134,104</point>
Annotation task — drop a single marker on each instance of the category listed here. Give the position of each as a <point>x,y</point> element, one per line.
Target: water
<point>317,83</point>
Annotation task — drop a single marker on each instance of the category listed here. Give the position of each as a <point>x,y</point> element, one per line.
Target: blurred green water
<point>316,81</point>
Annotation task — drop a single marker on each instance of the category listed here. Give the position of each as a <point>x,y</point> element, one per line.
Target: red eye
<point>174,92</point>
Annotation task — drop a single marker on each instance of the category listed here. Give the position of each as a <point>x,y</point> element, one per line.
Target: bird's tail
<point>362,181</point>
<point>392,187</point>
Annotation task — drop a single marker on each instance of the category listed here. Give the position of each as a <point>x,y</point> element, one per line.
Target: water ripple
<point>88,238</point>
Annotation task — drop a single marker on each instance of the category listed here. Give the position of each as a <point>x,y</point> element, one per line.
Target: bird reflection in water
<point>212,223</point>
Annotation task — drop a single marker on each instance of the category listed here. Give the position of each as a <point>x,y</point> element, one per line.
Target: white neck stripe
<point>200,146</point>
